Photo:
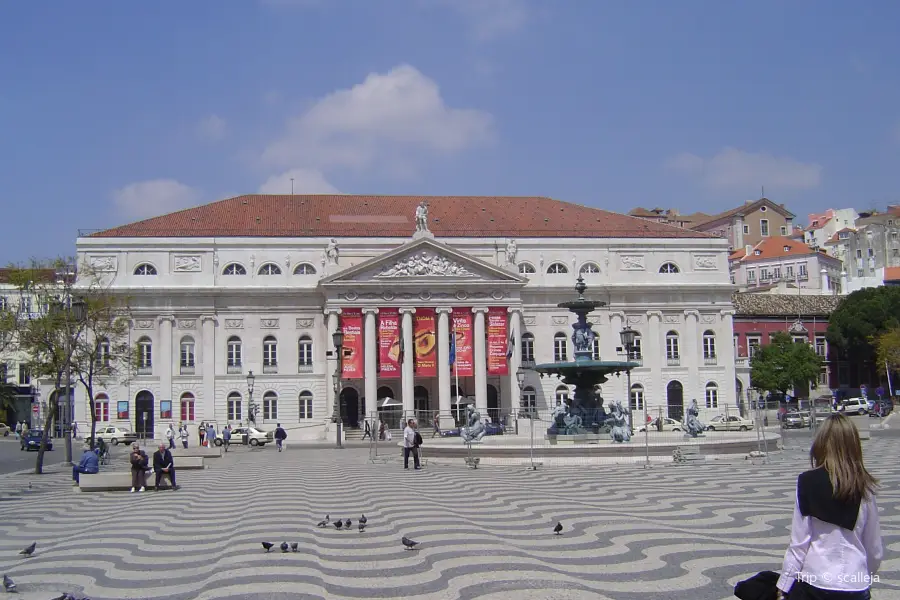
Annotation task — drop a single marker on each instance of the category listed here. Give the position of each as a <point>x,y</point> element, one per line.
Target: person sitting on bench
<point>89,464</point>
<point>164,466</point>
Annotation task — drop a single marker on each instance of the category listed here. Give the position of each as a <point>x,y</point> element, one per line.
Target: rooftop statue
<point>422,217</point>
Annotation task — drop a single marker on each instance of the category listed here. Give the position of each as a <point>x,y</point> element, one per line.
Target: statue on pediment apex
<point>422,216</point>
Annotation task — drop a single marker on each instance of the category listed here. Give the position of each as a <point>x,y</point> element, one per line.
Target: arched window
<point>673,354</point>
<point>270,406</point>
<point>668,268</point>
<point>528,402</point>
<point>234,354</point>
<point>234,269</point>
<point>188,355</point>
<point>101,408</point>
<point>560,347</point>
<point>527,348</point>
<point>589,267</point>
<point>562,394</point>
<point>637,351</point>
<point>145,356</point>
<point>712,395</point>
<point>304,354</point>
<point>557,268</point>
<point>103,353</point>
<point>637,397</point>
<point>306,404</point>
<point>304,269</point>
<point>233,405</point>
<point>709,346</point>
<point>270,355</point>
<point>269,269</point>
<point>187,407</point>
<point>526,268</point>
<point>145,269</point>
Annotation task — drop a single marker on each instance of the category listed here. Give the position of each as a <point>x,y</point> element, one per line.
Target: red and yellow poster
<point>497,341</point>
<point>389,342</point>
<point>425,342</point>
<point>461,326</point>
<point>352,359</point>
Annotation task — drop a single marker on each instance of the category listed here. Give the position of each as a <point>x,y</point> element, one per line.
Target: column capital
<point>727,312</point>
<point>654,313</point>
<point>443,310</point>
<point>369,310</point>
<point>619,314</point>
<point>479,309</point>
<point>692,313</point>
<point>407,311</point>
<point>332,310</point>
<point>166,319</point>
<point>515,309</point>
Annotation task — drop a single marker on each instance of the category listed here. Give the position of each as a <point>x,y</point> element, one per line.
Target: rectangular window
<point>776,272</point>
<point>101,411</point>
<point>753,344</point>
<point>270,408</point>
<point>746,230</point>
<point>4,303</point>
<point>860,273</point>
<point>637,399</point>
<point>637,352</point>
<point>709,347</point>
<point>801,268</point>
<point>145,355</point>
<point>103,352</point>
<point>527,349</point>
<point>784,230</point>
<point>821,346</point>
<point>165,409</point>
<point>751,275</point>
<point>24,375</point>
<point>764,227</point>
<point>789,271</point>
<point>306,406</point>
<point>672,347</point>
<point>305,349</point>
<point>270,354</point>
<point>528,402</point>
<point>871,252</point>
<point>800,339</point>
<point>25,305</point>
<point>234,354</point>
<point>187,410</point>
<point>234,410</point>
<point>187,354</point>
<point>858,253</point>
<point>560,348</point>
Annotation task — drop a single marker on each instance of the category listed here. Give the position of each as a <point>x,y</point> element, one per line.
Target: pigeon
<point>348,523</point>
<point>267,545</point>
<point>29,550</point>
<point>294,546</point>
<point>410,544</point>
<point>338,524</point>
<point>285,547</point>
<point>362,526</point>
<point>8,584</point>
<point>558,529</point>
<point>363,520</point>
<point>325,521</point>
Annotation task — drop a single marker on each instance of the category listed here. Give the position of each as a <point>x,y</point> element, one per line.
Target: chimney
<point>823,276</point>
<point>845,282</point>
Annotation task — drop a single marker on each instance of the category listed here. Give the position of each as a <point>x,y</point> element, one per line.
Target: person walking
<point>184,436</point>
<point>74,430</point>
<point>226,436</point>
<point>18,430</point>
<point>170,435</point>
<point>164,466</point>
<point>411,441</point>
<point>201,433</point>
<point>280,436</point>
<point>139,464</point>
<point>836,546</point>
<point>210,435</point>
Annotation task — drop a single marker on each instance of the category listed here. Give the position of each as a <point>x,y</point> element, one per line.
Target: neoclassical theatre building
<point>260,283</point>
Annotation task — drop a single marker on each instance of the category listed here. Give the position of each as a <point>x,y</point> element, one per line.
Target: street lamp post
<point>338,339</point>
<point>520,379</point>
<point>251,408</point>
<point>72,309</point>
<point>628,336</point>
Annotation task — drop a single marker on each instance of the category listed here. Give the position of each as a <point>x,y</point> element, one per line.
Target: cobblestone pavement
<point>669,532</point>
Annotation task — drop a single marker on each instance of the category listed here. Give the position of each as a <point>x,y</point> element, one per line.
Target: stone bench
<point>197,451</point>
<point>188,463</point>
<point>109,481</point>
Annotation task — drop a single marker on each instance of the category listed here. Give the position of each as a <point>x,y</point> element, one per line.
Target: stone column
<point>331,359</point>
<point>205,408</point>
<point>694,356</point>
<point>654,349</point>
<point>725,352</point>
<point>515,328</point>
<point>165,360</point>
<point>371,361</point>
<point>408,375</point>
<point>480,361</point>
<point>443,366</point>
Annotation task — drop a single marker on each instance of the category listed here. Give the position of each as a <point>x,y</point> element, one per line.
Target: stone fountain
<point>584,413</point>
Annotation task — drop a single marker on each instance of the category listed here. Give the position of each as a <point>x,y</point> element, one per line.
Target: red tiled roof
<point>820,223</point>
<point>892,274</point>
<point>394,216</point>
<point>837,234</point>
<point>774,247</point>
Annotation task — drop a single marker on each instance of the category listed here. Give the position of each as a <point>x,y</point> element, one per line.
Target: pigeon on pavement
<point>294,546</point>
<point>29,550</point>
<point>362,526</point>
<point>8,584</point>
<point>410,544</point>
<point>348,523</point>
<point>285,547</point>
<point>325,521</point>
<point>338,524</point>
<point>558,529</point>
<point>267,545</point>
<point>363,520</point>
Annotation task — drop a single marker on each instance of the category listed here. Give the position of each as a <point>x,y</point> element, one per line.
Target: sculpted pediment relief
<point>425,264</point>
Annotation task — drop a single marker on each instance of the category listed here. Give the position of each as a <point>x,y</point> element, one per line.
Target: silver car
<point>796,420</point>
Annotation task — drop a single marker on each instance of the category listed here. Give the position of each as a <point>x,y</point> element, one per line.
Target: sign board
<point>145,416</point>
<point>36,409</point>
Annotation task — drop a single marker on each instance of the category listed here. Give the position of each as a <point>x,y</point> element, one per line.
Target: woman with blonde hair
<point>835,547</point>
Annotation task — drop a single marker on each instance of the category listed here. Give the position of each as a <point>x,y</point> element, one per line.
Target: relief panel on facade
<point>707,318</point>
<point>268,323</point>
<point>705,262</point>
<point>631,262</point>
<point>635,319</point>
<point>187,263</point>
<point>186,324</point>
<point>304,323</point>
<point>234,323</point>
<point>104,264</point>
<point>143,324</point>
<point>425,264</point>
<point>529,319</point>
<point>557,320</point>
<point>671,319</point>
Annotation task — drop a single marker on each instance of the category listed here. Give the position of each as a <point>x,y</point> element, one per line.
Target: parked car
<point>882,408</point>
<point>729,423</point>
<point>4,429</point>
<point>796,420</point>
<point>32,440</point>
<point>116,435</point>
<point>668,425</point>
<point>257,437</point>
<point>854,405</point>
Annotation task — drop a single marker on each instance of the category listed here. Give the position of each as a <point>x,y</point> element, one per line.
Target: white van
<point>854,405</point>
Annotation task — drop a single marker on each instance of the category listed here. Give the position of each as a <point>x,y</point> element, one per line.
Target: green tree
<point>783,364</point>
<point>887,348</point>
<point>861,318</point>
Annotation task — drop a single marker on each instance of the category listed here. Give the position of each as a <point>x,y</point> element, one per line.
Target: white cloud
<point>490,19</point>
<point>212,128</point>
<point>152,198</point>
<point>306,181</point>
<point>732,168</point>
<point>393,118</point>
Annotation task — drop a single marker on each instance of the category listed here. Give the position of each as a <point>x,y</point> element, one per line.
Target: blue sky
<point>113,111</point>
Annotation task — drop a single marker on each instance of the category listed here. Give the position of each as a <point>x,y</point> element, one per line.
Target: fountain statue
<point>620,431</point>
<point>692,424</point>
<point>584,412</point>
<point>474,429</point>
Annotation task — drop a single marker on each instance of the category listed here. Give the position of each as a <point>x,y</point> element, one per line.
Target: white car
<point>668,425</point>
<point>116,435</point>
<point>729,423</point>
<point>257,437</point>
<point>854,405</point>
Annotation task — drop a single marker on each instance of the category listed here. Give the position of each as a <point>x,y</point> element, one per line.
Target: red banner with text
<point>352,351</point>
<point>425,342</point>
<point>497,341</point>
<point>461,327</point>
<point>389,342</point>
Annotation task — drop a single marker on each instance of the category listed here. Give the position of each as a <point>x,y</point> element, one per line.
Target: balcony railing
<point>145,370</point>
<point>673,361</point>
<point>187,369</point>
<point>303,368</point>
<point>270,368</point>
<point>710,360</point>
<point>235,369</point>
<point>528,363</point>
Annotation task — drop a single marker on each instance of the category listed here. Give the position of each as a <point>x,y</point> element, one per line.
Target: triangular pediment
<point>423,260</point>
